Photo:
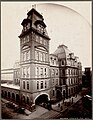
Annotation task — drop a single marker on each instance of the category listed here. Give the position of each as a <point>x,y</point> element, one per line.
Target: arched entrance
<point>59,95</point>
<point>64,94</point>
<point>9,95</point>
<point>13,96</point>
<point>41,99</point>
<point>5,94</point>
<point>17,98</point>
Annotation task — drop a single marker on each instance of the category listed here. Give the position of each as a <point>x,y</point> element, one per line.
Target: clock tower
<point>34,57</point>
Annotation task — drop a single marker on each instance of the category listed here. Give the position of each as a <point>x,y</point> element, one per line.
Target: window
<point>36,55</point>
<point>24,55</point>
<point>27,55</point>
<point>45,84</point>
<point>56,81</point>
<point>53,81</point>
<point>71,81</point>
<point>63,71</point>
<point>41,71</point>
<point>41,84</point>
<point>37,84</point>
<point>23,72</point>
<point>43,56</point>
<point>37,71</point>
<point>28,71</point>
<point>45,71</point>
<point>53,72</point>
<point>40,56</point>
<point>64,81</point>
<point>56,72</point>
<point>27,85</point>
<point>62,62</point>
<point>53,61</point>
<point>23,84</point>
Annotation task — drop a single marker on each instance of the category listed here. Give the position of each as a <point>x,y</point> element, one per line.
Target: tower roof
<point>33,10</point>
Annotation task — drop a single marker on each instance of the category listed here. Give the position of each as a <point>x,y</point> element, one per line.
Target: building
<point>40,76</point>
<point>7,75</point>
<point>70,72</point>
<point>86,78</point>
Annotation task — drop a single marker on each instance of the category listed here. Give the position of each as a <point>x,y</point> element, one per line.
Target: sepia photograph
<point>46,60</point>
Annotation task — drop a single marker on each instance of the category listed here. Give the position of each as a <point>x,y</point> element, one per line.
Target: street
<point>81,108</point>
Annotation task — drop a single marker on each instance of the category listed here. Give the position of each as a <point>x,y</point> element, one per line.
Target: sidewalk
<point>60,106</point>
<point>56,110</point>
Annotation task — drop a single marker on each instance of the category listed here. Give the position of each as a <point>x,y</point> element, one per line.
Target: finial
<point>34,6</point>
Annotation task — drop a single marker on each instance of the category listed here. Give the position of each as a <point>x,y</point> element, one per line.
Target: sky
<point>67,23</point>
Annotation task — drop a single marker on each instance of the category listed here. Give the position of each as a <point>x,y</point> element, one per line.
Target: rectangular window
<point>27,55</point>
<point>40,56</point>
<point>45,71</point>
<point>41,84</point>
<point>41,71</point>
<point>56,81</point>
<point>37,71</point>
<point>27,85</point>
<point>23,84</point>
<point>43,56</point>
<point>53,81</point>
<point>45,84</point>
<point>24,72</point>
<point>36,55</point>
<point>56,72</point>
<point>37,84</point>
<point>53,72</point>
<point>28,71</point>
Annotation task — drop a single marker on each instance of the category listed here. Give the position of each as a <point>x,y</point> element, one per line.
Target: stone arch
<point>45,97</point>
<point>17,97</point>
<point>13,96</point>
<point>59,94</point>
<point>5,94</point>
<point>9,95</point>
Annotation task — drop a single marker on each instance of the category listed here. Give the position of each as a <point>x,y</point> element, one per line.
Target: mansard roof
<point>62,51</point>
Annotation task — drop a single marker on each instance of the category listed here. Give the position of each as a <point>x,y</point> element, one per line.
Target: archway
<point>41,99</point>
<point>59,95</point>
<point>2,93</point>
<point>17,98</point>
<point>5,94</point>
<point>13,96</point>
<point>64,94</point>
<point>9,95</point>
